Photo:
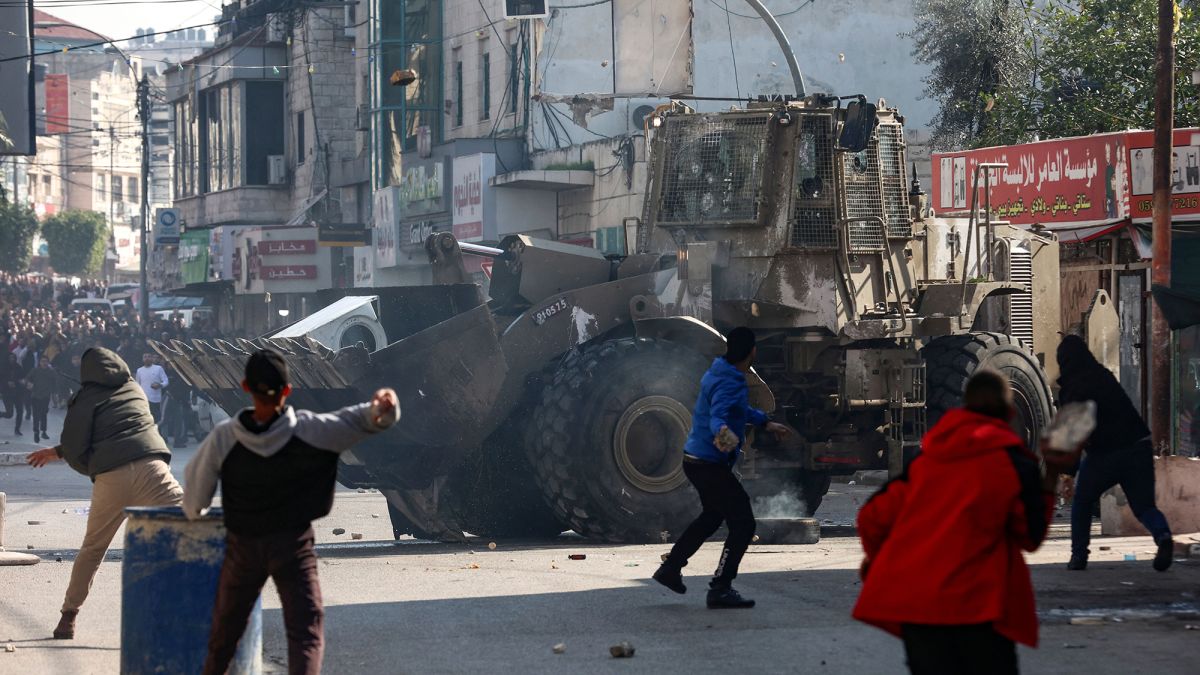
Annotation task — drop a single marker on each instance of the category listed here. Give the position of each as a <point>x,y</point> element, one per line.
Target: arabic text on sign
<point>287,247</point>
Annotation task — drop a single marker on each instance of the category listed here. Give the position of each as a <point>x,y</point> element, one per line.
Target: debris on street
<point>356,535</point>
<point>621,650</point>
<point>559,648</point>
<point>578,556</point>
<point>337,531</point>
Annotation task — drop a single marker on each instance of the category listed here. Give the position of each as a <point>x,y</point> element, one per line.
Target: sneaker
<point>1165,555</point>
<point>727,598</point>
<point>1077,563</point>
<point>66,625</point>
<point>671,578</point>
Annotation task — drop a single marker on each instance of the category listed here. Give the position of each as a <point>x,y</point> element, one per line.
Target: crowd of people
<point>42,338</point>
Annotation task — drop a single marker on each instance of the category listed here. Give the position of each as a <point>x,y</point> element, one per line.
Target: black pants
<point>950,650</point>
<point>290,560</point>
<point>177,412</point>
<point>41,408</point>
<point>1133,469</point>
<point>724,500</point>
<point>20,406</point>
<point>156,411</point>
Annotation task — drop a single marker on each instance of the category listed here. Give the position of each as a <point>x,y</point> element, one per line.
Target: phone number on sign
<point>1147,205</point>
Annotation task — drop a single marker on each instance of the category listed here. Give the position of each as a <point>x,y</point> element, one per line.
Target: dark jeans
<point>290,560</point>
<point>155,410</point>
<point>20,406</point>
<point>724,500</point>
<point>1133,470</point>
<point>944,650</point>
<point>41,408</point>
<point>177,414</point>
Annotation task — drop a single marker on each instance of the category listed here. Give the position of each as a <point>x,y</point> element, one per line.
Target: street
<point>415,607</point>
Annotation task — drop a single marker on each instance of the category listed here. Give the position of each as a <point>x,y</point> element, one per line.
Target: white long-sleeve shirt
<point>150,375</point>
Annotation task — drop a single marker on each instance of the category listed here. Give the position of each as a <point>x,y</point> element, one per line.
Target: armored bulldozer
<point>563,400</point>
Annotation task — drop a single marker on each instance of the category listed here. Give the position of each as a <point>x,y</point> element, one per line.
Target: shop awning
<point>553,181</point>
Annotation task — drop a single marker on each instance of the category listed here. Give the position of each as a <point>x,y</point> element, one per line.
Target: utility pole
<point>112,190</point>
<point>1160,267</point>
<point>143,100</point>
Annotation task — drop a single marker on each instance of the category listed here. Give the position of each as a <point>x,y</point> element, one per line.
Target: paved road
<point>412,607</point>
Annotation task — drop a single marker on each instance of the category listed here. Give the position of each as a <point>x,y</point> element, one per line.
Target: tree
<point>980,50</point>
<point>18,225</point>
<point>76,241</point>
<point>1062,67</point>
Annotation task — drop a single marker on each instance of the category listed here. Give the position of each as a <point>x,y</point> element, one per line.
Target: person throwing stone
<point>713,447</point>
<point>109,436</point>
<point>277,467</point>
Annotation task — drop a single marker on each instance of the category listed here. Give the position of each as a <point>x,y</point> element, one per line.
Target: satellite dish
<point>640,114</point>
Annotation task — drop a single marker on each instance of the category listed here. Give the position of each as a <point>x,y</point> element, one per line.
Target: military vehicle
<point>563,401</point>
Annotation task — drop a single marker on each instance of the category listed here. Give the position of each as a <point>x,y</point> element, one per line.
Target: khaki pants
<point>142,482</point>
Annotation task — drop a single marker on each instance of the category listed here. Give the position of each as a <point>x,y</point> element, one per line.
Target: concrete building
<point>566,98</point>
<point>262,121</point>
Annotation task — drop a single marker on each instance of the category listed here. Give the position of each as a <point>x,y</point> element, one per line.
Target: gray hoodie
<point>108,422</point>
<point>280,477</point>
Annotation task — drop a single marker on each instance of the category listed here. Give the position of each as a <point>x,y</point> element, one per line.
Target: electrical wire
<point>732,52</point>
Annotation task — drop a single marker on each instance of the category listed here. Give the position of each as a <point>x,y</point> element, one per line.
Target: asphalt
<point>417,607</point>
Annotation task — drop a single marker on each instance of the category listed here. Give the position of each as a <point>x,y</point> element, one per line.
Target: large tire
<point>609,434</point>
<point>493,492</point>
<point>950,362</point>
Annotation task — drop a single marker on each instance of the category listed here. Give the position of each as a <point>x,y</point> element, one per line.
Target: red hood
<point>962,434</point>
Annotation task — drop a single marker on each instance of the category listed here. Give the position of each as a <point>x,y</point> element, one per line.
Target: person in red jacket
<point>943,568</point>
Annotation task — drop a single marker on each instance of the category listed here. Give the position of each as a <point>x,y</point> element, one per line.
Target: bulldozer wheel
<point>951,360</point>
<point>494,493</point>
<point>608,437</point>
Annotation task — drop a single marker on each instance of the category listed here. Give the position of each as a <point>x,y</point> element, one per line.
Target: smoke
<point>786,504</point>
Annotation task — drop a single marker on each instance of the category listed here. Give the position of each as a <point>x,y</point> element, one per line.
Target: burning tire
<point>950,362</point>
<point>493,492</point>
<point>608,437</point>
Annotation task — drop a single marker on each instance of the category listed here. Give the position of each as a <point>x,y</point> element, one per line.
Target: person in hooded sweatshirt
<point>1119,451</point>
<point>277,467</point>
<point>108,435</point>
<point>719,423</point>
<point>943,567</point>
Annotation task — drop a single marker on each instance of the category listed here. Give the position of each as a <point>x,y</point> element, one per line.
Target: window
<point>100,184</point>
<point>133,189</point>
<point>46,186</point>
<point>300,137</point>
<point>213,151</point>
<point>485,80</point>
<point>118,194</point>
<point>459,100</point>
<point>514,78</point>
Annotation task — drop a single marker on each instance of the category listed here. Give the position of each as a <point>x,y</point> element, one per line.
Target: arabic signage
<point>364,267</point>
<point>166,227</point>
<point>386,220</point>
<point>1068,183</point>
<point>472,196</point>
<point>193,256</point>
<point>287,247</point>
<point>344,235</point>
<point>287,272</point>
<point>421,189</point>
<point>58,103</point>
<point>1185,175</point>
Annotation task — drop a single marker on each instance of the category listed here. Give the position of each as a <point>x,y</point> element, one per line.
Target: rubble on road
<point>621,650</point>
<point>338,531</point>
<point>559,648</point>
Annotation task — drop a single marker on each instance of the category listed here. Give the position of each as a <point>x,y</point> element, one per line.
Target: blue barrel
<point>169,584</point>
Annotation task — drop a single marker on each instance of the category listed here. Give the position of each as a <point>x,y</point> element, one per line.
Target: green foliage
<point>76,241</point>
<point>1090,69</point>
<point>18,225</point>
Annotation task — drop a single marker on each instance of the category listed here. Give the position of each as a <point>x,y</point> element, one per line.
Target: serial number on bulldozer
<point>542,315</point>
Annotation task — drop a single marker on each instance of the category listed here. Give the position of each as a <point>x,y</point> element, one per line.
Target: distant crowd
<point>42,338</point>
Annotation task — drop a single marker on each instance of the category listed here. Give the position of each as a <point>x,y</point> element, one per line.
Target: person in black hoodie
<point>109,436</point>
<point>277,467</point>
<point>1119,451</point>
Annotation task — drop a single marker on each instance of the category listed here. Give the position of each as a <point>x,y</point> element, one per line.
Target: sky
<point>119,19</point>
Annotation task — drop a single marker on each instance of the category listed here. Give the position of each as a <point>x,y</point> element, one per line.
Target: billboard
<point>17,127</point>
<point>1059,184</point>
<point>471,197</point>
<point>1185,175</point>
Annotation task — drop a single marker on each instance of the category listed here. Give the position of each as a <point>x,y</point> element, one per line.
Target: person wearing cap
<point>713,447</point>
<point>277,467</point>
<point>110,436</point>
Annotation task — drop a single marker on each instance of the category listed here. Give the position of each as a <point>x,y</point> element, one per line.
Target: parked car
<point>91,306</point>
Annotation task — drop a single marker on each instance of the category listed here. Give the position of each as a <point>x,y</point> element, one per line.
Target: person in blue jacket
<point>718,430</point>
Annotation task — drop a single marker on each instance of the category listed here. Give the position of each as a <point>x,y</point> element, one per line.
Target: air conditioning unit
<point>276,170</point>
<point>362,117</point>
<point>276,31</point>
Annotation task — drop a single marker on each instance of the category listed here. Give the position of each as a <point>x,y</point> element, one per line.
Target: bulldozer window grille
<point>864,198</point>
<point>814,214</point>
<point>895,181</point>
<point>714,172</point>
